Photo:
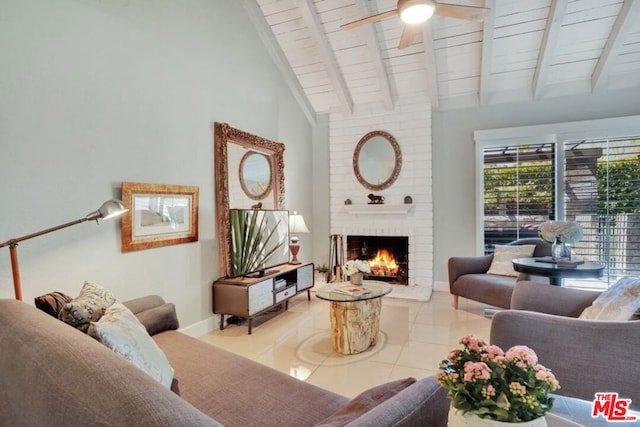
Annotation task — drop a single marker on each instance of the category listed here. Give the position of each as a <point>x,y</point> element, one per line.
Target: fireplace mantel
<point>375,209</point>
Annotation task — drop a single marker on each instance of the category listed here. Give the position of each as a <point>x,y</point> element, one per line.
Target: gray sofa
<point>468,277</point>
<point>53,374</point>
<point>587,356</point>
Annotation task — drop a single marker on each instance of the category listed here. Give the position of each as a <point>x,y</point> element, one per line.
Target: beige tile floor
<point>414,337</point>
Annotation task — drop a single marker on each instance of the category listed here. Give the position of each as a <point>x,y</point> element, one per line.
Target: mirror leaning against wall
<point>377,160</point>
<point>249,171</point>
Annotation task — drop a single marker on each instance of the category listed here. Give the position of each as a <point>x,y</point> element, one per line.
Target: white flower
<point>355,266</point>
<point>566,232</point>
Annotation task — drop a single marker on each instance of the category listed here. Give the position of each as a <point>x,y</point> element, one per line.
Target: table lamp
<point>296,225</point>
<point>109,209</point>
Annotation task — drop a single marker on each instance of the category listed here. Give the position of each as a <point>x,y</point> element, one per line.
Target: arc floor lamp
<point>109,209</point>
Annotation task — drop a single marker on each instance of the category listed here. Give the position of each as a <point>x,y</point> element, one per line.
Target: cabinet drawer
<point>286,293</point>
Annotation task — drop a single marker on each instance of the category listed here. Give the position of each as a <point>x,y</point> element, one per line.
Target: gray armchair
<point>468,277</point>
<point>586,356</point>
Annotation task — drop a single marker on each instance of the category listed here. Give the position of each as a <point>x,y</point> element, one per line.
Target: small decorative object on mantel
<point>257,206</point>
<point>375,200</point>
<point>347,201</point>
<point>490,387</point>
<point>560,234</point>
<point>355,269</point>
<point>408,200</point>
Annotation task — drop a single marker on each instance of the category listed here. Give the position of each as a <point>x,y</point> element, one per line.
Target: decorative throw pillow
<point>121,331</point>
<point>52,302</point>
<point>89,306</point>
<point>620,302</point>
<point>365,401</point>
<point>504,255</point>
<point>158,319</point>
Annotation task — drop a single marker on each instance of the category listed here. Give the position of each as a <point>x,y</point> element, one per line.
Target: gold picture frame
<point>159,215</point>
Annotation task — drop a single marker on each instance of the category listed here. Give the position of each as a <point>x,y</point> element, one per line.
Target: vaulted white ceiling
<point>523,51</point>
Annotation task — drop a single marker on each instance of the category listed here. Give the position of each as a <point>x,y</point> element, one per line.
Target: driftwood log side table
<point>355,319</point>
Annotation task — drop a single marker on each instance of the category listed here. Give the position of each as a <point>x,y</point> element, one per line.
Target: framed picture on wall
<point>159,215</point>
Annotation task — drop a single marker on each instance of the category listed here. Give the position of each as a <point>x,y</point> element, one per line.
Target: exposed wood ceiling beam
<point>487,52</point>
<point>432,70</point>
<point>625,18</point>
<point>549,42</point>
<point>374,47</point>
<point>258,20</point>
<point>337,79</point>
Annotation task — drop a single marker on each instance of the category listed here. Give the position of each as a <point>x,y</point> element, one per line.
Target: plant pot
<point>356,278</point>
<point>458,419</point>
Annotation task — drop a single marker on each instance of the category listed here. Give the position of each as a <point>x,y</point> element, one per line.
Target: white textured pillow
<point>122,332</point>
<point>620,302</point>
<point>503,256</point>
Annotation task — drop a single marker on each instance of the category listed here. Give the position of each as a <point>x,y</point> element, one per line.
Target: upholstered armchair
<point>586,356</point>
<point>468,277</point>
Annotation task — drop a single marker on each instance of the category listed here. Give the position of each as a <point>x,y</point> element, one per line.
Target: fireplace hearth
<point>387,256</point>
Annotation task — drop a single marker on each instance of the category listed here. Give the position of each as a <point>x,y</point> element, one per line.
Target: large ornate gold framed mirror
<point>249,171</point>
<point>377,160</point>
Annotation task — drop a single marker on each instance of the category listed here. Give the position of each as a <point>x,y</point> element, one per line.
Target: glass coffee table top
<point>377,289</point>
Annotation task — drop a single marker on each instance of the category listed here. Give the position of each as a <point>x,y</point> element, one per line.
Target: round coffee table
<point>556,272</point>
<point>355,320</point>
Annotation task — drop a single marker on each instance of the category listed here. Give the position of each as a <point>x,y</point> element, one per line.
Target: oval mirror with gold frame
<point>377,160</point>
<point>231,145</point>
<point>254,174</point>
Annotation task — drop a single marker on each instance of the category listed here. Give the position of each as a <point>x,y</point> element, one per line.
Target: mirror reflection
<point>377,160</point>
<point>255,175</point>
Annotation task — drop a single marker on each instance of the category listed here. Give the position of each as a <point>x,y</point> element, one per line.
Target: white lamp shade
<point>416,11</point>
<point>296,224</point>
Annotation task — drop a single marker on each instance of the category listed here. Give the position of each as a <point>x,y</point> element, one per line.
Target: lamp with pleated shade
<point>296,226</point>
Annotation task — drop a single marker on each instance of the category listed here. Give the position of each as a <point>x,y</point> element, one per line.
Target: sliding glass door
<point>593,182</point>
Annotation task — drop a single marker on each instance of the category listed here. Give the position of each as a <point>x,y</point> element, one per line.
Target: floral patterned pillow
<point>122,332</point>
<point>87,307</point>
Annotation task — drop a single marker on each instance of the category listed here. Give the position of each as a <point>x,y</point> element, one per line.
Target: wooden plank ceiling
<point>523,51</point>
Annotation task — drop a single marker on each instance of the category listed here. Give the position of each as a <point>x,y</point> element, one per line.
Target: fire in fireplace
<point>387,256</point>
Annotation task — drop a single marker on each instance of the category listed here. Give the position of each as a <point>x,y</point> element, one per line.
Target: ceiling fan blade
<point>408,35</point>
<point>470,13</point>
<point>373,18</point>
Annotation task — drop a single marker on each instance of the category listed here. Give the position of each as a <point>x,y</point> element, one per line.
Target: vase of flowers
<point>488,386</point>
<point>355,269</point>
<point>560,234</point>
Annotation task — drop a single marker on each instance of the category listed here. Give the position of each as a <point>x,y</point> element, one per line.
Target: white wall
<point>454,158</point>
<point>96,92</point>
<point>320,190</point>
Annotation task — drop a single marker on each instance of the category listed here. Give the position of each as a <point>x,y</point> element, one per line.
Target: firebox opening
<point>388,256</point>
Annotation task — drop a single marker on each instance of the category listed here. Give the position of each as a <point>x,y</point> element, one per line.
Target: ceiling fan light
<point>416,11</point>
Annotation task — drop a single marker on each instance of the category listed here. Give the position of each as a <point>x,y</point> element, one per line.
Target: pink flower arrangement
<point>506,386</point>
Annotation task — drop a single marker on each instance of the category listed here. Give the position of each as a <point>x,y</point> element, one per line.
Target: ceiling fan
<point>414,12</point>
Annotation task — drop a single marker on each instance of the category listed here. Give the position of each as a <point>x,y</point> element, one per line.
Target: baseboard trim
<point>202,327</point>
<point>441,286</point>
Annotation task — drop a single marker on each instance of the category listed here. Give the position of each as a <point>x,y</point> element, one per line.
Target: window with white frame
<point>588,176</point>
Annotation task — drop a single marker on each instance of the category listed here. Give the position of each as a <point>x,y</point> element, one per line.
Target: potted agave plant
<point>490,387</point>
<point>251,239</point>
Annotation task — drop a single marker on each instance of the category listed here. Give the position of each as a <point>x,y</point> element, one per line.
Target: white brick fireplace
<point>410,124</point>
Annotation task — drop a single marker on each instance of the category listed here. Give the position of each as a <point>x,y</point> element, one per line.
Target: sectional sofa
<point>54,374</point>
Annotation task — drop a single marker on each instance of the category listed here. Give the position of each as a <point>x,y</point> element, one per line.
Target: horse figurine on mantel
<point>375,200</point>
